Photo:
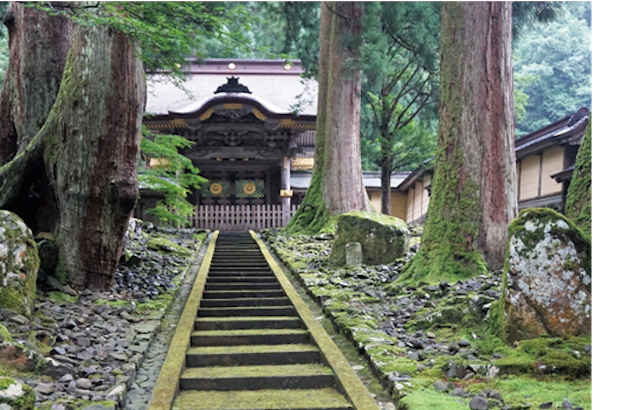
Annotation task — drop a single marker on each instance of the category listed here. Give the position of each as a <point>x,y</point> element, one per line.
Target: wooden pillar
<point>285,184</point>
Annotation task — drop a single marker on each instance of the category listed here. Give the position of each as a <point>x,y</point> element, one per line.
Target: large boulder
<point>549,267</point>
<point>382,238</point>
<point>19,263</point>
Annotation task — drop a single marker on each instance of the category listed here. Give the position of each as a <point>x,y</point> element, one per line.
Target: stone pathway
<point>79,349</point>
<point>141,389</point>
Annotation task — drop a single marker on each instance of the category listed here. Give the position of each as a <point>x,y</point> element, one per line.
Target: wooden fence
<point>241,217</point>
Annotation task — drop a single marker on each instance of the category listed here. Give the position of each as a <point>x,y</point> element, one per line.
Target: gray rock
<point>439,385</point>
<point>56,369</point>
<point>549,267</point>
<point>456,371</point>
<point>99,407</point>
<point>353,254</point>
<point>44,388</point>
<point>478,403</point>
<point>83,383</point>
<point>458,392</point>
<point>382,238</point>
<point>546,405</point>
<point>83,341</point>
<point>19,264</point>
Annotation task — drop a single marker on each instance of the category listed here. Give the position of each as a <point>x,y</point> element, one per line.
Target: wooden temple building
<point>252,123</point>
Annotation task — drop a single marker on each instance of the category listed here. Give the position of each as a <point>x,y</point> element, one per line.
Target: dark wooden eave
<point>564,175</point>
<point>566,131</point>
<point>231,101</point>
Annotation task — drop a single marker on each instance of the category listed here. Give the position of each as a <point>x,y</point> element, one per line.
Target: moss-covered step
<point>239,273</point>
<point>222,284</point>
<point>238,268</point>
<point>293,376</point>
<point>247,311</point>
<point>252,355</point>
<point>302,399</point>
<point>239,260</point>
<point>237,252</point>
<point>242,279</point>
<point>281,301</point>
<point>238,257</point>
<point>233,294</point>
<point>249,337</point>
<point>224,323</point>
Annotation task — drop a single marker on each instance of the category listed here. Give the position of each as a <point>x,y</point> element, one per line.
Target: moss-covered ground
<point>147,280</point>
<point>414,337</point>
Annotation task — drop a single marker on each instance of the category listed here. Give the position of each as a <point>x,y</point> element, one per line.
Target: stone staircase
<point>249,348</point>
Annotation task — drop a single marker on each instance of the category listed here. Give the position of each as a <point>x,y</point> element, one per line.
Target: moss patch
<point>62,298</point>
<point>25,402</point>
<point>578,206</point>
<point>164,245</point>
<point>5,335</point>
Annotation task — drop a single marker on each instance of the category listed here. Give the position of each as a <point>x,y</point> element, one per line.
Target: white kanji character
<point>625,15</point>
<point>628,70</point>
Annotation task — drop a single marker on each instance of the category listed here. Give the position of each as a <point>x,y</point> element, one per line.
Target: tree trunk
<point>474,191</point>
<point>385,180</point>
<point>89,146</point>
<point>312,215</point>
<point>38,45</point>
<point>336,184</point>
<point>343,188</point>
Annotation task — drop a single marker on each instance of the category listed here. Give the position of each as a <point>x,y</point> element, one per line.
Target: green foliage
<point>399,82</point>
<point>552,66</point>
<point>167,32</point>
<point>172,177</point>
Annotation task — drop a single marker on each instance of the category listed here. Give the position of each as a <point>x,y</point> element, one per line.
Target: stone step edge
<point>285,370</point>
<point>306,399</point>
<point>168,381</point>
<point>346,378</point>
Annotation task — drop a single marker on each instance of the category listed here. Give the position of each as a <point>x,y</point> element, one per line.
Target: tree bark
<point>336,184</point>
<point>38,45</point>
<point>312,215</point>
<point>385,177</point>
<point>343,188</point>
<point>474,191</point>
<point>88,148</point>
<point>94,160</point>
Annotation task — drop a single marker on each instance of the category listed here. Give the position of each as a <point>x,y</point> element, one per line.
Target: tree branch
<point>338,14</point>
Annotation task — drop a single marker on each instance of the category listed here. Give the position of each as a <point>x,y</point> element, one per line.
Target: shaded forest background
<point>551,60</point>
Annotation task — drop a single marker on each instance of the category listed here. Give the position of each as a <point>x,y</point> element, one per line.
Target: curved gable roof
<point>275,88</point>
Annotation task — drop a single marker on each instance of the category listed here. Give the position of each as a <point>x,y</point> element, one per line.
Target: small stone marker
<point>353,253</point>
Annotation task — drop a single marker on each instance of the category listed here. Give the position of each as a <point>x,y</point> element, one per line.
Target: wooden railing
<point>241,217</point>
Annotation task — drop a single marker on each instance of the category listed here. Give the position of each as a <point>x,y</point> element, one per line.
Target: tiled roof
<point>301,180</point>
<point>268,81</point>
<point>566,130</point>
